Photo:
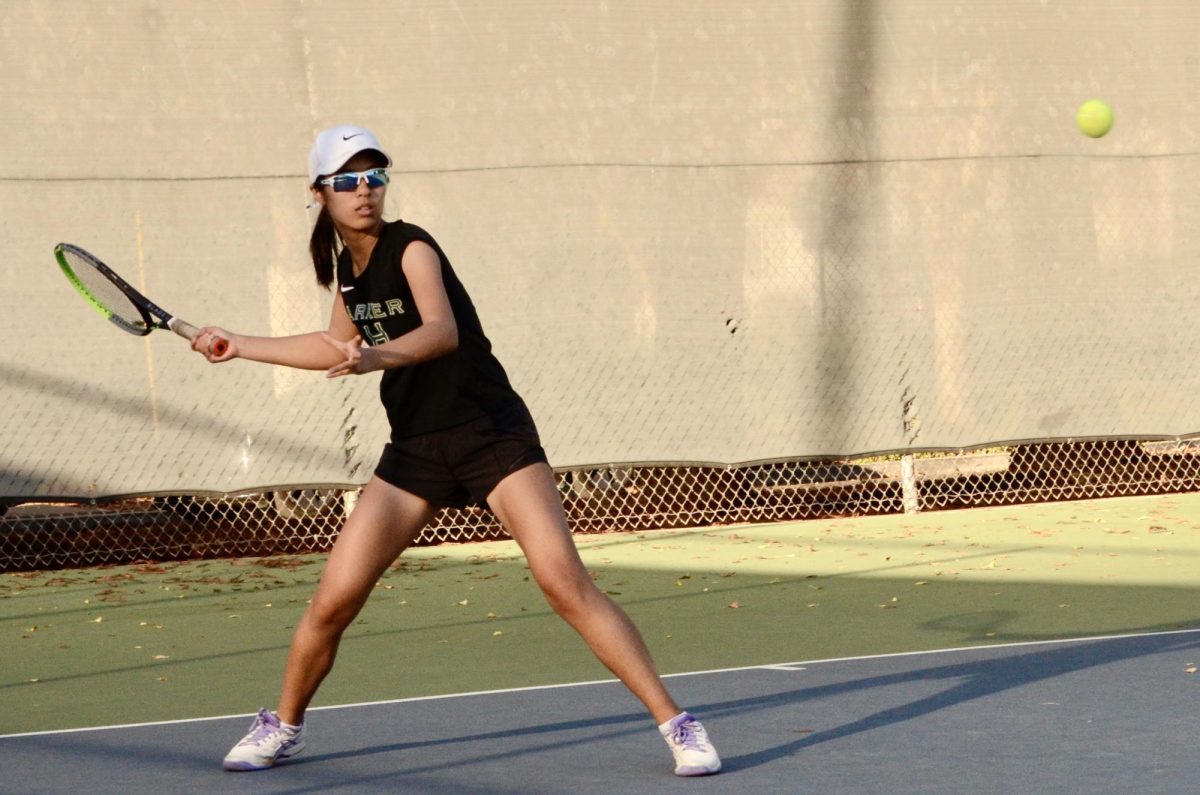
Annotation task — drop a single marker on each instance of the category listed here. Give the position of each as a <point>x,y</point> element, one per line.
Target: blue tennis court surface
<point>1097,715</point>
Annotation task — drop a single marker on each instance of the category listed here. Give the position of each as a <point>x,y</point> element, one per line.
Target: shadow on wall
<point>208,425</point>
<point>847,215</point>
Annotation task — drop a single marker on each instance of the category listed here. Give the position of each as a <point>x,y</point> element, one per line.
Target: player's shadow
<point>971,680</point>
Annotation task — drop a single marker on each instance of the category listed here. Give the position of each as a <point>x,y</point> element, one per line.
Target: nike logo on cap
<point>348,137</point>
<point>347,288</point>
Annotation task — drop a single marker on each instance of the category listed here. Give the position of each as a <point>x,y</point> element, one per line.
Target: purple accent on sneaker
<point>268,719</point>
<point>681,731</point>
<point>243,767</point>
<point>686,733</point>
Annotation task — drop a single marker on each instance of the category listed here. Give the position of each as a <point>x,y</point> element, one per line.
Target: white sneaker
<point>694,754</point>
<point>268,741</point>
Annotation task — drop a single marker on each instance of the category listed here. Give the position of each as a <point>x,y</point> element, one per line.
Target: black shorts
<point>459,466</point>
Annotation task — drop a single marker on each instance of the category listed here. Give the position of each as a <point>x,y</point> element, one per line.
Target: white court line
<point>1059,641</point>
<point>790,667</point>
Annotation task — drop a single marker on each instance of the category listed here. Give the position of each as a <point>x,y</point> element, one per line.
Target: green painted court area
<point>154,642</point>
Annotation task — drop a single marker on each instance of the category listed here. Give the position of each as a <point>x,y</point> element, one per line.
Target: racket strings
<point>102,292</point>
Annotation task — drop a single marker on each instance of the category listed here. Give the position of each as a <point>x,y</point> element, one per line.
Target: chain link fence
<point>616,498</point>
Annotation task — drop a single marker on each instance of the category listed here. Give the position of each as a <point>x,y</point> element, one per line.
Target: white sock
<point>289,726</point>
<point>664,727</point>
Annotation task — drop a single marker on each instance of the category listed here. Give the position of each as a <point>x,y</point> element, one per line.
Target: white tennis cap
<point>336,145</point>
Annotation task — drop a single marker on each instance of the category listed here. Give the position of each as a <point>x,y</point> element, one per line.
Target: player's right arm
<point>308,351</point>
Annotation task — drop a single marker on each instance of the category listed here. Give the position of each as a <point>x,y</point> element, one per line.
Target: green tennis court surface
<point>159,642</point>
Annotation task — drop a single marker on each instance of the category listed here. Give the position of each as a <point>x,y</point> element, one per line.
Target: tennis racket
<point>114,298</point>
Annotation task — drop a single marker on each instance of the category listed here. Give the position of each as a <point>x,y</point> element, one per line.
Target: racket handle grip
<point>184,329</point>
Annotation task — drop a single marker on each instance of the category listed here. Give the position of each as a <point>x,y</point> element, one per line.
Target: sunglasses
<point>348,181</point>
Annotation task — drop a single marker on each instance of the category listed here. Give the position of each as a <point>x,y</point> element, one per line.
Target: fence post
<point>349,500</point>
<point>910,496</point>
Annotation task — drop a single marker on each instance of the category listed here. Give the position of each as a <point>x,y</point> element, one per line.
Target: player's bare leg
<point>529,506</point>
<point>384,522</point>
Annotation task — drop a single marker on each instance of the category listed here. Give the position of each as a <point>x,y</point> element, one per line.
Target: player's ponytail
<point>323,246</point>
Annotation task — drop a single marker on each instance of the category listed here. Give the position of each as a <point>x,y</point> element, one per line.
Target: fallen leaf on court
<point>463,603</point>
<point>497,634</point>
<point>35,679</point>
<point>734,605</point>
<point>1191,668</point>
<point>98,620</point>
<point>162,657</point>
<point>922,582</point>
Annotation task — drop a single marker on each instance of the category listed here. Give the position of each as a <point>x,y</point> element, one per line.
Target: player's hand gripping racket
<point>116,300</point>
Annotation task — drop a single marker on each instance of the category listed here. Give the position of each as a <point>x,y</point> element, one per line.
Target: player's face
<point>360,209</point>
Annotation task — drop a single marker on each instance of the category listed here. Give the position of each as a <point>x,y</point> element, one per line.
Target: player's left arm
<point>436,336</point>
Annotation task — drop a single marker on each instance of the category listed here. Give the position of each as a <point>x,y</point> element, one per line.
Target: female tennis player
<point>459,434</point>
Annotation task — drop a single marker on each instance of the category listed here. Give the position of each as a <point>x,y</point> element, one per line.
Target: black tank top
<point>463,385</point>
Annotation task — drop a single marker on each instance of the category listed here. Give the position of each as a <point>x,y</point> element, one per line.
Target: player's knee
<point>567,591</point>
<point>330,613</point>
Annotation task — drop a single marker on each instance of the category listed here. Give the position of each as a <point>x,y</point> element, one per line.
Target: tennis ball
<point>1095,118</point>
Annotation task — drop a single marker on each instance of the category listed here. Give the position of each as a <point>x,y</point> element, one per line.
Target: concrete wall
<point>701,231</point>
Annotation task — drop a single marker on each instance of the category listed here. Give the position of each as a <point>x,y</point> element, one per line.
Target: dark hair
<point>324,246</point>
